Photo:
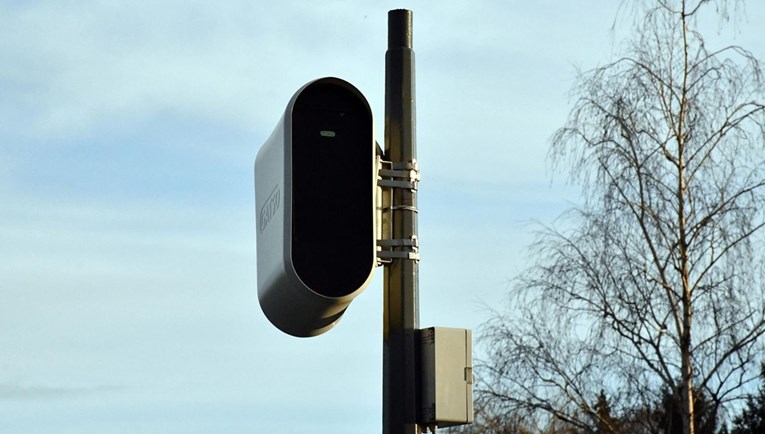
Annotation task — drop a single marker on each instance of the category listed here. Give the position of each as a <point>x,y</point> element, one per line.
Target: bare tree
<point>657,281</point>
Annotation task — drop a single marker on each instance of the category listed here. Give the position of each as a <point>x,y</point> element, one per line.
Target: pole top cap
<point>400,28</point>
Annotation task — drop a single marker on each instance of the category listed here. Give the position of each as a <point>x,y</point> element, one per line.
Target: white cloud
<point>78,66</point>
<point>14,391</point>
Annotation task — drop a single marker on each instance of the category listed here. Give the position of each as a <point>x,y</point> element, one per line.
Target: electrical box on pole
<point>315,181</point>
<point>446,376</point>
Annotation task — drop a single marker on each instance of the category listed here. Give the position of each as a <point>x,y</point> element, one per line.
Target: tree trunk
<point>687,313</point>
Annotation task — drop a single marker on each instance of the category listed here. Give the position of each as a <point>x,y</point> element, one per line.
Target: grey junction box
<point>446,357</point>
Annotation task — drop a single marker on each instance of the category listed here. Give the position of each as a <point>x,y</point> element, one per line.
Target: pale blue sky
<point>128,132</point>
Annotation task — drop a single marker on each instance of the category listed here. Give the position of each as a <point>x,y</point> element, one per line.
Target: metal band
<point>388,255</point>
<point>410,242</point>
<point>405,165</point>
<point>404,207</point>
<point>391,183</point>
<point>404,174</point>
<point>410,250</point>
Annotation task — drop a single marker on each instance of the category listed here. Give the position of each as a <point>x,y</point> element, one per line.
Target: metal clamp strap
<point>404,174</point>
<point>412,251</point>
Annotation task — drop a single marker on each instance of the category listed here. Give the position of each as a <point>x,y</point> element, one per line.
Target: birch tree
<point>657,281</point>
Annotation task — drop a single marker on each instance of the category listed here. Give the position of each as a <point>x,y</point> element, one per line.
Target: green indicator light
<point>327,133</point>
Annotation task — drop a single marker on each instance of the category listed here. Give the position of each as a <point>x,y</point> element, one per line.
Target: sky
<point>128,133</point>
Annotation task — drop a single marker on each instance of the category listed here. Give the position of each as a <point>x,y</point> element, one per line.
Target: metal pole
<point>401,305</point>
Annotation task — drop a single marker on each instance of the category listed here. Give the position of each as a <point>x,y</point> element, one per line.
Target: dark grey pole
<point>401,306</point>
